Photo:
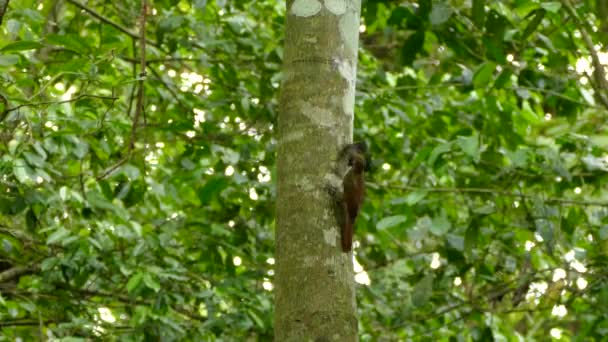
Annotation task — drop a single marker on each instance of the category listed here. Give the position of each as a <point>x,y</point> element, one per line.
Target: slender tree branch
<point>142,76</point>
<point>103,19</point>
<point>15,272</point>
<point>74,99</point>
<point>599,74</point>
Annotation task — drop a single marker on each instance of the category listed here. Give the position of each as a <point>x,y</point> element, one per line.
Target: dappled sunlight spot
<point>578,266</point>
<point>210,171</point>
<point>229,171</point>
<point>559,310</point>
<point>153,108</point>
<point>577,190</point>
<point>253,194</point>
<point>59,86</point>
<point>556,333</point>
<point>558,274</point>
<point>230,223</point>
<point>581,283</point>
<point>171,73</point>
<point>68,94</point>
<point>558,179</point>
<point>357,266</point>
<point>159,144</point>
<point>270,261</point>
<point>190,134</point>
<point>199,117</point>
<point>236,261</point>
<point>362,28</point>
<point>267,285</point>
<point>39,179</point>
<point>529,245</point>
<point>548,116</point>
<point>538,237</point>
<point>264,175</point>
<point>569,256</point>
<point>106,315</point>
<point>515,204</point>
<point>536,290</point>
<point>151,159</point>
<point>202,310</point>
<point>435,261</point>
<point>386,166</point>
<point>457,281</point>
<point>583,66</point>
<point>361,276</point>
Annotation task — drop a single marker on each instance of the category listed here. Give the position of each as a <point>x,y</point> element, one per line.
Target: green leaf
<point>528,113</point>
<point>415,197</point>
<point>440,13</point>
<point>438,150</point>
<point>212,189</point>
<point>483,75</point>
<point>69,41</point>
<point>551,6</point>
<point>471,237</point>
<point>134,282</point>
<point>59,235</point>
<point>423,291</point>
<point>533,24</point>
<point>151,282</point>
<point>20,46</point>
<point>604,232</point>
<point>391,221</point>
<point>470,146</point>
<point>8,60</point>
<point>440,226</point>
<point>23,172</point>
<point>479,13</point>
<point>503,79</point>
<point>412,46</point>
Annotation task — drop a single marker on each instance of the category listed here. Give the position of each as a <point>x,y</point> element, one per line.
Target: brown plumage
<point>354,191</point>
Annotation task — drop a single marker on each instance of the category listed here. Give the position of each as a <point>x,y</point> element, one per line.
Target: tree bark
<point>314,284</point>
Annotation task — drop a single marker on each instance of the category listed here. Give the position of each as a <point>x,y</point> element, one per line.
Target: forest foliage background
<point>140,205</point>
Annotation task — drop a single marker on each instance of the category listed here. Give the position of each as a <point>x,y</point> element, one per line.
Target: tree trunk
<point>314,284</point>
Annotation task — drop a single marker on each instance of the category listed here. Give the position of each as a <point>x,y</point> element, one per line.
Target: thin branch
<point>109,22</point>
<point>15,272</point>
<point>503,193</point>
<point>599,74</point>
<point>3,7</point>
<point>74,99</point>
<point>112,168</point>
<point>142,76</point>
<point>160,60</point>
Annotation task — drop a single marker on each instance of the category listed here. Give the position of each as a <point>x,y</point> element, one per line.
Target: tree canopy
<point>139,202</point>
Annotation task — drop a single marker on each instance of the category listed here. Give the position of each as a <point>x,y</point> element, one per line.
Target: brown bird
<point>354,191</point>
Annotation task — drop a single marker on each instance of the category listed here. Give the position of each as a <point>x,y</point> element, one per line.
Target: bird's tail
<point>347,235</point>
